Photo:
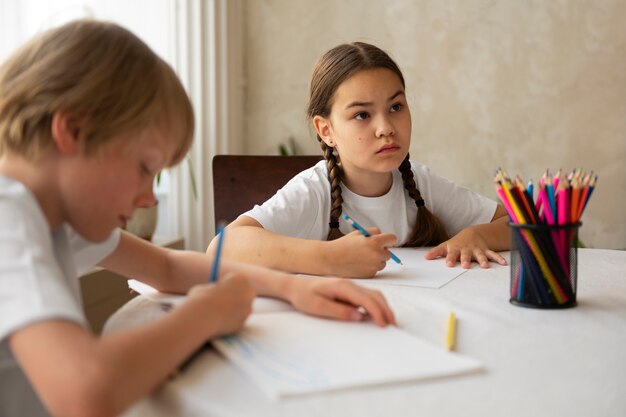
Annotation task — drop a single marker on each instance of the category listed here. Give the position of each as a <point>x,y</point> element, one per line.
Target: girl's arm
<point>351,256</point>
<point>78,374</point>
<point>478,243</point>
<point>177,271</point>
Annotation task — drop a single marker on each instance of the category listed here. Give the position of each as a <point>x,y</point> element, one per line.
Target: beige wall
<point>525,85</point>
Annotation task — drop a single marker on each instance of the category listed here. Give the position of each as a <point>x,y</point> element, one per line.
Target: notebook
<point>288,353</point>
<point>416,272</point>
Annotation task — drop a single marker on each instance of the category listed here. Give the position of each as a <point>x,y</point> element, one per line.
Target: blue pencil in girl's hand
<point>216,262</point>
<point>366,234</point>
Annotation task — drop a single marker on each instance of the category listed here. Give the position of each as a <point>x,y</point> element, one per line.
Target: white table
<point>569,362</point>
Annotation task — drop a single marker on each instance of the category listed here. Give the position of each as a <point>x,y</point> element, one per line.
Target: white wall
<point>525,85</point>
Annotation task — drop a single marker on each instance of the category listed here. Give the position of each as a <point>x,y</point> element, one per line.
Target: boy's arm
<point>177,271</point>
<point>350,256</point>
<point>167,270</point>
<point>77,374</point>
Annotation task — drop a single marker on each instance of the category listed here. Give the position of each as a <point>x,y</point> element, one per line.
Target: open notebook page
<point>416,272</point>
<point>289,353</point>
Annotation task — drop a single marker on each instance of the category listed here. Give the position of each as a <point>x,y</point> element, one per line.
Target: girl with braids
<point>88,116</point>
<point>359,110</point>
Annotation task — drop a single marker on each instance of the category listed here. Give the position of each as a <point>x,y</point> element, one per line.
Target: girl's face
<point>101,192</point>
<point>369,126</point>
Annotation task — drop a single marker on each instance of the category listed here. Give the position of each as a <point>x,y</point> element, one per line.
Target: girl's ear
<point>324,130</point>
<point>66,132</point>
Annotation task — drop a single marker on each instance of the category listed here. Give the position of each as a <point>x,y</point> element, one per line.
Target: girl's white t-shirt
<point>302,207</point>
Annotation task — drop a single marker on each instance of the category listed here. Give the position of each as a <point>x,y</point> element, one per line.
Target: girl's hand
<point>467,246</point>
<point>339,299</point>
<point>358,256</point>
<point>228,303</point>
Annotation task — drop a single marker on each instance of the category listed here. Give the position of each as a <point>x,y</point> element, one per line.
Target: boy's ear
<point>324,130</point>
<point>67,133</point>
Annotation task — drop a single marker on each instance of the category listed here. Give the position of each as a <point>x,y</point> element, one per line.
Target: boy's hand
<point>466,246</point>
<point>228,303</point>
<point>340,299</point>
<point>358,256</point>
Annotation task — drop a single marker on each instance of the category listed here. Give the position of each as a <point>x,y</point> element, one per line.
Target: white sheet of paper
<point>259,305</point>
<point>416,272</point>
<point>290,353</point>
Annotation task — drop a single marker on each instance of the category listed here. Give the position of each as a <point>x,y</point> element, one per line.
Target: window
<point>200,39</point>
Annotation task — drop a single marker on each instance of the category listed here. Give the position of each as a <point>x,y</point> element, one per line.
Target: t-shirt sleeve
<point>89,254</point>
<point>296,209</point>
<point>33,287</point>
<point>456,206</point>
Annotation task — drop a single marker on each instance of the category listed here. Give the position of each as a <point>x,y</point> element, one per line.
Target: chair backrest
<point>241,181</point>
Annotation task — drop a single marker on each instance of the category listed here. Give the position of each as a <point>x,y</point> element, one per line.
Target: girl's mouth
<point>390,148</point>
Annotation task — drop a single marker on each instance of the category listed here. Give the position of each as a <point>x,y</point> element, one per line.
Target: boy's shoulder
<point>18,204</point>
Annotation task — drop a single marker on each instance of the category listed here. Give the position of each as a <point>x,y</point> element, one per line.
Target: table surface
<point>569,362</point>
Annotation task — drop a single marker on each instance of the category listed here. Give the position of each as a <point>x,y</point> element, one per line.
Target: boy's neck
<point>38,176</point>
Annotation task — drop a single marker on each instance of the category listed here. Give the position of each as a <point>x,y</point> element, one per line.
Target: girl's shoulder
<point>421,173</point>
<point>419,168</point>
<point>305,185</point>
<point>317,171</point>
<point>317,175</point>
<point>426,179</point>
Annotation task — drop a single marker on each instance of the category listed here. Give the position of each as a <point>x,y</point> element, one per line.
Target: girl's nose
<point>384,128</point>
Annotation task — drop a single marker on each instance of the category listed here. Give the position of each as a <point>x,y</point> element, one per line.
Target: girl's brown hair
<point>99,71</point>
<point>332,69</point>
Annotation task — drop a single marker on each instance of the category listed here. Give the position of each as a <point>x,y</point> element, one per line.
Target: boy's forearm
<point>179,330</point>
<point>266,282</point>
<point>94,379</point>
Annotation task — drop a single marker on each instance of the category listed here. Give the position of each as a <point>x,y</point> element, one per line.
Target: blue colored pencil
<point>218,254</point>
<point>366,234</point>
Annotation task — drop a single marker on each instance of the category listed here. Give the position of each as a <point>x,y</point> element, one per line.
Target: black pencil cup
<point>544,265</point>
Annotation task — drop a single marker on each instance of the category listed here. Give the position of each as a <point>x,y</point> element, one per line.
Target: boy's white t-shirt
<point>39,272</point>
<point>302,207</point>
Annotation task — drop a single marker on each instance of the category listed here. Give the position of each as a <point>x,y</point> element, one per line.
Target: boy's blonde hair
<point>96,70</point>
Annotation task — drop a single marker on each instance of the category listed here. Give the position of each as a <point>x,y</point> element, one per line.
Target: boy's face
<point>100,192</point>
<point>369,123</point>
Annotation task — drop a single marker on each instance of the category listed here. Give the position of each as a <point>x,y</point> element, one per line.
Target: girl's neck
<point>371,184</point>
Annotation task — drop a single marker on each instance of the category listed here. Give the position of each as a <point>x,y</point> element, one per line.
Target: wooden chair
<point>241,181</point>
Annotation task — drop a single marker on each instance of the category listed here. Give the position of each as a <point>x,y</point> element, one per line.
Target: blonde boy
<point>88,116</point>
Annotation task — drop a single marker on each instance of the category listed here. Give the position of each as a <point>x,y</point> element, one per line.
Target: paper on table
<point>260,304</point>
<point>416,272</point>
<point>289,353</point>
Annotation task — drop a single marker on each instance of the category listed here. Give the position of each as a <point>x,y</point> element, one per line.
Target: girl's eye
<point>396,107</point>
<point>361,115</point>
